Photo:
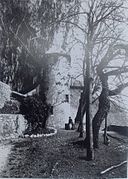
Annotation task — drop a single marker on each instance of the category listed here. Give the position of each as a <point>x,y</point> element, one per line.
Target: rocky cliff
<point>5,92</point>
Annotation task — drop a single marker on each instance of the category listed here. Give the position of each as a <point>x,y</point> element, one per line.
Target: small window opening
<point>67,98</point>
<point>51,110</point>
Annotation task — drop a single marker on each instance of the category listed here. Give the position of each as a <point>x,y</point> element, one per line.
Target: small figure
<point>70,123</point>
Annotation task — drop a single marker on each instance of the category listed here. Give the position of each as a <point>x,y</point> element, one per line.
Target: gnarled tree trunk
<point>81,108</point>
<point>80,113</point>
<point>103,109</point>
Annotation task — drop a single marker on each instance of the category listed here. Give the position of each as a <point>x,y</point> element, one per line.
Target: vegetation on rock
<point>36,111</point>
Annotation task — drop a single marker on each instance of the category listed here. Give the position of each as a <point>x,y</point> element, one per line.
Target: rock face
<point>58,92</point>
<point>5,92</point>
<point>11,126</point>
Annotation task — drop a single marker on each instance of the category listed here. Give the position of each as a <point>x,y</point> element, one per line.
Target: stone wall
<point>11,126</point>
<point>5,92</point>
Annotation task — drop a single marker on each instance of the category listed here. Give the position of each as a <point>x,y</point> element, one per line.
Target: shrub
<point>36,111</point>
<point>10,107</point>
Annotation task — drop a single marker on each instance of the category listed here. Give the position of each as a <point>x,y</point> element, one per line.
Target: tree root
<point>112,167</point>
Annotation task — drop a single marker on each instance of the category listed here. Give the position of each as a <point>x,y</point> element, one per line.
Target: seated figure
<point>69,125</point>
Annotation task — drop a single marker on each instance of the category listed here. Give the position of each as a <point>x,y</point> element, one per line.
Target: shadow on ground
<point>57,156</point>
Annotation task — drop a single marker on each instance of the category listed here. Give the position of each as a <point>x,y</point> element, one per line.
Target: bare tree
<point>102,22</point>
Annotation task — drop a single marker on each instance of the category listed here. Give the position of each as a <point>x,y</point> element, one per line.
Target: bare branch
<point>105,15</point>
<point>25,47</point>
<point>118,89</point>
<point>113,167</point>
<point>20,25</point>
<point>76,25</point>
<point>117,71</point>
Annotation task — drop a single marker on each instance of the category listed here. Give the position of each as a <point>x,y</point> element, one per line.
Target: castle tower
<point>58,88</point>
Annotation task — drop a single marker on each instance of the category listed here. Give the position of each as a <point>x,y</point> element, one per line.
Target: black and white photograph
<point>64,89</point>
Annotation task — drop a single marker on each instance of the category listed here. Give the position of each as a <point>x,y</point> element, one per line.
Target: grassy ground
<point>57,157</point>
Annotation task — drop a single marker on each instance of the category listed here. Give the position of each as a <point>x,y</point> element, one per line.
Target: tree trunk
<point>78,115</point>
<point>80,128</point>
<point>97,121</point>
<point>106,139</point>
<point>103,110</point>
<point>81,108</point>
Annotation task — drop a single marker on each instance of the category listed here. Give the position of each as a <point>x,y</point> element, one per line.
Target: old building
<point>57,81</point>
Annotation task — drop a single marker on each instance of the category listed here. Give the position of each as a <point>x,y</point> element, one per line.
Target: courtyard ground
<point>58,157</point>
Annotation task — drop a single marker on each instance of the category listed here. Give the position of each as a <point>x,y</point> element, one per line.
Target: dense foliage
<point>27,30</point>
<point>36,111</point>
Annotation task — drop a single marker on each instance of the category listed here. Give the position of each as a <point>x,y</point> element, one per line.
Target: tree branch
<point>106,15</point>
<point>112,167</point>
<point>69,22</point>
<point>118,89</point>
<point>117,71</point>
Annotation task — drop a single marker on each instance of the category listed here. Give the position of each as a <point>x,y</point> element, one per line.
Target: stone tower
<point>57,73</point>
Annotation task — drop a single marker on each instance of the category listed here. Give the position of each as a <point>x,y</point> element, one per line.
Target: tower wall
<point>58,93</point>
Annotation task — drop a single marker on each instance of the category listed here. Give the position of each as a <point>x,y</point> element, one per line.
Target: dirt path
<point>4,152</point>
<point>56,156</point>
